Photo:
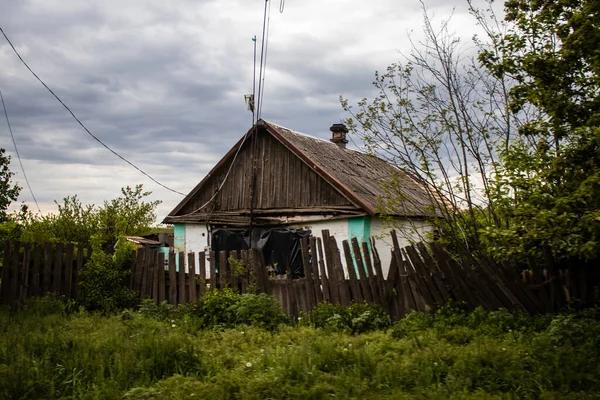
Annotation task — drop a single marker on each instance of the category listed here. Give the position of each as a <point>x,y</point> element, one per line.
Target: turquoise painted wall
<point>360,228</point>
<point>178,241</point>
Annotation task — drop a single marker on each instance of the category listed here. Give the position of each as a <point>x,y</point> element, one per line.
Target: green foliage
<point>259,310</point>
<point>47,352</point>
<point>9,191</point>
<point>355,319</point>
<point>224,308</point>
<point>104,280</point>
<point>129,214</point>
<point>549,189</point>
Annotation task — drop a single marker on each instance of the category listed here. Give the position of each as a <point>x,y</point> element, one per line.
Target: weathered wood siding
<point>283,181</point>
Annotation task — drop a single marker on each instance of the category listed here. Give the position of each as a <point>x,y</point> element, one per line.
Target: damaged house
<point>282,185</point>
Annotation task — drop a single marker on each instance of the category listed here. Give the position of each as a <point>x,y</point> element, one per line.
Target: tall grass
<point>46,352</point>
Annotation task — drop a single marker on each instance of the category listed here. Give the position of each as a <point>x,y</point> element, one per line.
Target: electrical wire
<point>281,6</point>
<point>262,53</point>
<point>226,175</point>
<point>17,152</point>
<point>81,123</point>
<point>262,93</point>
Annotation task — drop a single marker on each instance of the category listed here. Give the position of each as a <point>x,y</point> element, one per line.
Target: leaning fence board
<point>362,275</point>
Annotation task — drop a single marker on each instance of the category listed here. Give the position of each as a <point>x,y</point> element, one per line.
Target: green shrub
<point>355,319</point>
<point>223,309</point>
<point>103,286</point>
<point>260,310</point>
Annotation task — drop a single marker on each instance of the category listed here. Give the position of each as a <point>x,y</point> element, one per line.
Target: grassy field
<point>46,352</point>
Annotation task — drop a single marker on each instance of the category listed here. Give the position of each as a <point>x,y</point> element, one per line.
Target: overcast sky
<point>163,82</point>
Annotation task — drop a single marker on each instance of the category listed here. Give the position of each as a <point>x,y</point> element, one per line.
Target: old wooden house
<point>276,179</point>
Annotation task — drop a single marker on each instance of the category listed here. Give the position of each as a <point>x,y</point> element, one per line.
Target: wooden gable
<point>283,182</point>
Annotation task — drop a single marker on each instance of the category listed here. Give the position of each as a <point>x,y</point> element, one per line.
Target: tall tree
<point>551,52</point>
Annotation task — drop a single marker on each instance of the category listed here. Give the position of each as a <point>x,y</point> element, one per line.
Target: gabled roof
<point>360,177</point>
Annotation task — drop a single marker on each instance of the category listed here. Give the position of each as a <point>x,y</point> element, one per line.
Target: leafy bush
<point>224,308</point>
<point>103,285</point>
<point>260,310</point>
<point>357,318</point>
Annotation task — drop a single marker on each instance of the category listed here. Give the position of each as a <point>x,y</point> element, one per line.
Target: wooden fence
<point>421,277</point>
<point>34,270</point>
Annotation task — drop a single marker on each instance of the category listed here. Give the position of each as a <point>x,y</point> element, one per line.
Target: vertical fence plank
<point>162,283</point>
<point>343,286</point>
<point>192,276</point>
<point>263,271</point>
<point>5,284</point>
<point>68,288</point>
<point>138,272</point>
<point>234,272</point>
<point>143,271</point>
<point>78,268</point>
<point>249,278</point>
<point>172,278</point>
<point>182,297</point>
<point>324,278</point>
<point>14,272</point>
<point>308,287</point>
<point>202,272</point>
<point>34,288</point>
<point>213,272</point>
<point>156,270</point>
<point>222,269</point>
<point>24,280</point>
<point>315,270</point>
<point>58,267</point>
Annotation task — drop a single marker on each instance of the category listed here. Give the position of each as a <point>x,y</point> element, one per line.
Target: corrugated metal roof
<point>362,174</point>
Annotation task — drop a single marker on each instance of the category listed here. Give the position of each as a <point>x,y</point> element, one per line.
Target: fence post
<point>172,278</point>
<point>6,264</point>
<point>192,276</point>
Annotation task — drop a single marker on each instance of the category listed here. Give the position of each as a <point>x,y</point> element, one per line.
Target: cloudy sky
<point>163,82</point>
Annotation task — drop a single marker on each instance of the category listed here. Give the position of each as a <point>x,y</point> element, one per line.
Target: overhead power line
<point>17,152</point>
<point>81,123</point>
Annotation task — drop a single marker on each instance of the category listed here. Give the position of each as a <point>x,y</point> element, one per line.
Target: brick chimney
<point>338,135</point>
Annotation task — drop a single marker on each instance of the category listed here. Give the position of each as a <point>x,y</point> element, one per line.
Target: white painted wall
<point>195,240</point>
<point>338,228</point>
<point>408,231</point>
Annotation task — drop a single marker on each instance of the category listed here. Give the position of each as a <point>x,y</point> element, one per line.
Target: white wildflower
<point>248,364</point>
<point>504,349</point>
<point>262,350</point>
<point>173,326</point>
<point>345,349</point>
<point>435,363</point>
<point>349,344</point>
